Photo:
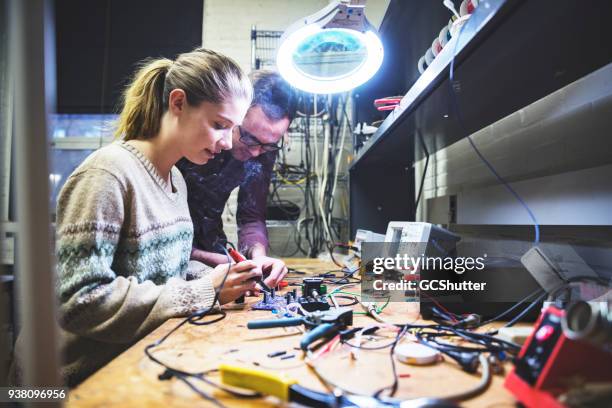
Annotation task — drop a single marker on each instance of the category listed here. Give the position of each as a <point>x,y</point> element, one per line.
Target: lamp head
<point>331,51</point>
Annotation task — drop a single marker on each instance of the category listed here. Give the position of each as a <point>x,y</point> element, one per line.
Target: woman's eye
<point>219,126</point>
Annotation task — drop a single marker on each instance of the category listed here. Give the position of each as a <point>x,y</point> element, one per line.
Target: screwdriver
<point>238,257</point>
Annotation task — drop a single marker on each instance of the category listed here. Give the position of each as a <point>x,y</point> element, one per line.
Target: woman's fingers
<point>243,266</point>
<point>243,288</point>
<point>241,277</point>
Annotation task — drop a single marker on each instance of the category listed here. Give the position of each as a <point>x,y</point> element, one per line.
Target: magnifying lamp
<point>331,51</point>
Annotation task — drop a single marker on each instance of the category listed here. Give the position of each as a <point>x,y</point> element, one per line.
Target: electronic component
<point>560,264</point>
<point>311,304</point>
<point>438,240</point>
<point>416,354</point>
<point>549,361</point>
<point>313,295</point>
<point>270,302</point>
<point>312,287</point>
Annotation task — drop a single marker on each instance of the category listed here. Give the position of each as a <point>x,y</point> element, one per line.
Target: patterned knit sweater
<point>124,242</point>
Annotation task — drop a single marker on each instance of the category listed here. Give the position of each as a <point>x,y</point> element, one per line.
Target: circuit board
<point>270,302</point>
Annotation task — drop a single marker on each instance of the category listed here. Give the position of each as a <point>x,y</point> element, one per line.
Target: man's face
<point>259,127</point>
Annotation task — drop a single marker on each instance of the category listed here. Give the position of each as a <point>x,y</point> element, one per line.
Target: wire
<point>480,387</point>
<point>318,174</point>
<point>525,311</point>
<point>480,155</point>
<point>195,319</point>
<point>393,388</point>
<point>504,313</point>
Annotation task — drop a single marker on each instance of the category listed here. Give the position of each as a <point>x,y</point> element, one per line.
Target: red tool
<point>388,103</point>
<point>236,256</point>
<point>549,361</point>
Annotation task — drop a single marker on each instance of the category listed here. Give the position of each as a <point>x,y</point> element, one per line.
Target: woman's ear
<point>177,101</point>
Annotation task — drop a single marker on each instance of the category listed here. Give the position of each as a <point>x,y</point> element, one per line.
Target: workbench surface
<point>132,380</point>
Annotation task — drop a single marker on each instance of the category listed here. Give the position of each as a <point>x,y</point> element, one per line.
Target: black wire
<point>347,277</point>
<point>393,387</point>
<point>485,342</point>
<point>504,313</point>
<point>312,229</point>
<point>195,318</point>
<point>525,311</point>
<point>535,302</point>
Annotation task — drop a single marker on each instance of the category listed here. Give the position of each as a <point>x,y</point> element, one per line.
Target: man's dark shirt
<point>209,187</point>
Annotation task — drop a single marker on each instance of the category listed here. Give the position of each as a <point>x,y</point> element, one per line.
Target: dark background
<point>99,43</point>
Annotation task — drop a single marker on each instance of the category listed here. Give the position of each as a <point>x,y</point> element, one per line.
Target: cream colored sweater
<point>123,250</point>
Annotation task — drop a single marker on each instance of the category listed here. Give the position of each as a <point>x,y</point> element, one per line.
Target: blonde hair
<point>204,75</point>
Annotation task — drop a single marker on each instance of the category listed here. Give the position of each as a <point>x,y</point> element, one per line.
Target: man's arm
<point>209,258</point>
<point>252,200</point>
<point>257,250</point>
<point>251,218</point>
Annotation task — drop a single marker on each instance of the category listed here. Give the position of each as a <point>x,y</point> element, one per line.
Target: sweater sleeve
<point>95,301</point>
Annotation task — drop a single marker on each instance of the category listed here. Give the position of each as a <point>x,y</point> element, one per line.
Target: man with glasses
<point>248,165</point>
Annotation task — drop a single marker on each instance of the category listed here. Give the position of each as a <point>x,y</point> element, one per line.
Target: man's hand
<point>274,269</point>
<point>241,278</point>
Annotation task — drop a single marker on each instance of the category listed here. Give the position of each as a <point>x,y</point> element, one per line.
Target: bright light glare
<point>367,46</point>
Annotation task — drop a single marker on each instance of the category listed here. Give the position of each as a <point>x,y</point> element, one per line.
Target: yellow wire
<point>286,181</point>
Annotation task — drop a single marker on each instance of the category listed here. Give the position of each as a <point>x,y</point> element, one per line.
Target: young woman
<point>123,225</point>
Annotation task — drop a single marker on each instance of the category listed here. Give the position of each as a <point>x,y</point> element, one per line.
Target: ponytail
<point>143,102</point>
<point>204,75</point>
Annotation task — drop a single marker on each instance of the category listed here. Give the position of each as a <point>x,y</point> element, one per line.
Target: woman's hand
<point>241,278</point>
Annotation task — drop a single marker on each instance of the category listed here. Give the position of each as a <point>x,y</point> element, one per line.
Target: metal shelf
<point>509,54</point>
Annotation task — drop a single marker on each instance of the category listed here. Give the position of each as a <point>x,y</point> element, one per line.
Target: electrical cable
<point>525,311</point>
<point>480,155</point>
<point>393,388</point>
<point>195,319</point>
<point>505,312</point>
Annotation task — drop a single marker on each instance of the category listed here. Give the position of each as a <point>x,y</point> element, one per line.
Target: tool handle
<point>322,330</point>
<point>267,383</point>
<point>236,256</point>
<point>267,324</point>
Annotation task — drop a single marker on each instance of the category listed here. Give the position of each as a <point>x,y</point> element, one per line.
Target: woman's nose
<point>225,143</point>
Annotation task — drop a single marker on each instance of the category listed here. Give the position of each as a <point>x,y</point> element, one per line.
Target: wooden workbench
<point>131,379</point>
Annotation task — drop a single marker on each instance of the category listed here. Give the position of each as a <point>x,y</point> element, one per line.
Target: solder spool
<point>590,321</point>
<point>421,65</point>
<point>416,354</point>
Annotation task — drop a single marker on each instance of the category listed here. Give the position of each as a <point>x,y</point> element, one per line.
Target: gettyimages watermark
<point>469,272</point>
<point>409,272</point>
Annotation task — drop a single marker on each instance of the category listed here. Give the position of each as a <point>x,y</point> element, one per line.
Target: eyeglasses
<point>251,141</point>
